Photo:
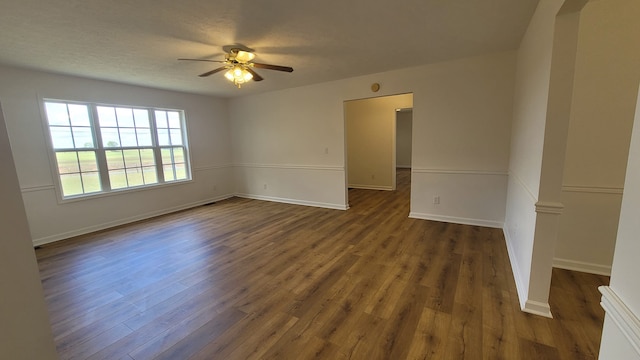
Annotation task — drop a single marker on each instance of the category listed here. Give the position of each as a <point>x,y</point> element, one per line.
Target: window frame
<point>101,150</point>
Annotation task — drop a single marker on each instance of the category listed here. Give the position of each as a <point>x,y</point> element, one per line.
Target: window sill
<point>98,195</point>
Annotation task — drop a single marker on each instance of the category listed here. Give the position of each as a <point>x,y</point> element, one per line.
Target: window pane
<point>82,137</point>
<point>146,155</point>
<point>87,161</point>
<point>161,119</point>
<point>118,179</point>
<point>134,176</point>
<point>166,156</point>
<point>125,117</point>
<point>79,115</point>
<point>128,137</point>
<point>61,137</point>
<point>91,182</point>
<point>107,116</point>
<point>67,162</point>
<point>178,155</point>
<point>150,176</point>
<point>181,171</point>
<point>71,184</point>
<point>110,137</point>
<point>174,119</point>
<point>131,158</point>
<point>57,114</point>
<point>141,117</point>
<point>163,137</point>
<point>144,137</point>
<point>114,159</point>
<point>168,173</point>
<point>176,137</point>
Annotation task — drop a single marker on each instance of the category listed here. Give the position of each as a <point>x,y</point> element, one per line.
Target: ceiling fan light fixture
<point>238,66</point>
<point>238,75</point>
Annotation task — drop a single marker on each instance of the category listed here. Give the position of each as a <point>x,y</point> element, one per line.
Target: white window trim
<point>53,163</point>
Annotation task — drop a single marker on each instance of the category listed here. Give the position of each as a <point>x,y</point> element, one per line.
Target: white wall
<point>461,130</point>
<point>370,127</point>
<point>621,299</point>
<point>606,77</point>
<point>403,138</point>
<point>24,322</point>
<point>288,146</point>
<point>461,127</point>
<point>50,220</point>
<point>527,140</point>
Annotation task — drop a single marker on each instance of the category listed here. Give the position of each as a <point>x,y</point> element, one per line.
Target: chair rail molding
<point>549,207</point>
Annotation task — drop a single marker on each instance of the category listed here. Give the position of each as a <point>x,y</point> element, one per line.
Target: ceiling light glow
<point>238,75</point>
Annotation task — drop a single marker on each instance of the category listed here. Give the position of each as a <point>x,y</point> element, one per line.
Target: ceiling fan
<point>239,67</point>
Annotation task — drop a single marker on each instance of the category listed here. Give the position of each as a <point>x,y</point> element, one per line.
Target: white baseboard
<point>294,201</point>
<point>582,266</point>
<point>537,308</point>
<point>627,322</point>
<point>370,187</point>
<point>520,287</point>
<point>94,228</point>
<point>456,220</point>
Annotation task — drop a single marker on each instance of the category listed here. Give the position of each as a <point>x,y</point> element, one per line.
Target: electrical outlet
<point>373,177</point>
<point>436,200</point>
<point>326,150</point>
<point>265,186</point>
<point>215,187</point>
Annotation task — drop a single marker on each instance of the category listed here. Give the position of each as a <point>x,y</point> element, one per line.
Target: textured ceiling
<point>138,41</point>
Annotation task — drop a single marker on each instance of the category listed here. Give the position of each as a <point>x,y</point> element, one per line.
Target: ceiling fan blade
<point>273,67</point>
<point>213,71</point>
<point>215,61</point>
<point>256,77</point>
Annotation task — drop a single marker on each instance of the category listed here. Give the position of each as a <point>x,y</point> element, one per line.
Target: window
<point>101,148</point>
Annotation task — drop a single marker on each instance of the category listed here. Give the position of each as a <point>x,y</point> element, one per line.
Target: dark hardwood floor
<point>247,279</point>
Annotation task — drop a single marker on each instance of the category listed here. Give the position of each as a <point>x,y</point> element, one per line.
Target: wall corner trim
<point>549,207</point>
<point>537,308</point>
<point>528,306</point>
<point>515,268</point>
<point>622,316</point>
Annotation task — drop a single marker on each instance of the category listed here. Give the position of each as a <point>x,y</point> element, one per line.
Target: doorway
<point>371,149</point>
<point>404,126</point>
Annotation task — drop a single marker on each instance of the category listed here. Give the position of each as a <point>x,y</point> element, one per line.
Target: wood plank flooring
<point>247,279</point>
